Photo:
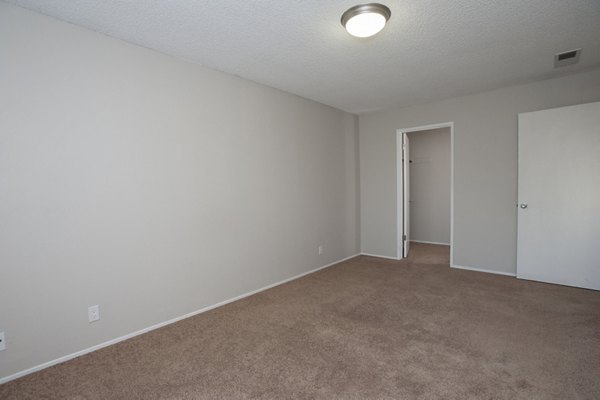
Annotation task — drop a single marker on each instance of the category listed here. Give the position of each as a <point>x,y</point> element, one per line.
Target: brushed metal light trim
<point>363,9</point>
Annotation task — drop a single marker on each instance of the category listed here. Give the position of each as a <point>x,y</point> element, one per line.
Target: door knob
<point>523,205</point>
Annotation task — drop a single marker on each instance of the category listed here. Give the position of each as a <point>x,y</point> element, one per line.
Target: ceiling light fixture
<point>365,20</point>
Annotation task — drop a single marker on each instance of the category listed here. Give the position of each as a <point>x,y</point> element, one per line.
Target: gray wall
<point>151,186</point>
<point>485,166</point>
<point>430,185</point>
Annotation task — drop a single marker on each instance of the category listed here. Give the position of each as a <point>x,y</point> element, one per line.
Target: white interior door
<point>559,196</point>
<point>406,195</point>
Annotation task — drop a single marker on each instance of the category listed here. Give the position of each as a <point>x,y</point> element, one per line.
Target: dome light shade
<point>365,20</point>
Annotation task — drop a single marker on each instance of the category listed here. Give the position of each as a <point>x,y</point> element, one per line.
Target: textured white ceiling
<point>430,50</point>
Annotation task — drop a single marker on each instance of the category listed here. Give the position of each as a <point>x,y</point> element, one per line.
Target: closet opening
<point>425,184</point>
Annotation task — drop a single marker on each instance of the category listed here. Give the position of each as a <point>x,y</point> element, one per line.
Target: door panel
<point>406,193</point>
<point>559,196</point>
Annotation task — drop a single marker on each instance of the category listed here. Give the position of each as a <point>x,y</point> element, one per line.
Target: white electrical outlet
<point>320,250</point>
<point>93,313</point>
<point>2,341</point>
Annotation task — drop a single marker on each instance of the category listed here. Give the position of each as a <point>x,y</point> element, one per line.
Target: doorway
<point>425,187</point>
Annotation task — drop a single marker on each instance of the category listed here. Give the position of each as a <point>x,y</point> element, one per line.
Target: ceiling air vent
<point>567,58</point>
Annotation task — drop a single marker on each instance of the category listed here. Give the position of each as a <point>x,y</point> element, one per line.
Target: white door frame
<point>399,183</point>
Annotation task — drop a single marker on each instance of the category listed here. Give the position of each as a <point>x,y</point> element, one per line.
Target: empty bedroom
<point>299,199</point>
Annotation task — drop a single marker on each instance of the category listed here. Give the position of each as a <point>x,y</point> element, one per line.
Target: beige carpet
<point>367,328</point>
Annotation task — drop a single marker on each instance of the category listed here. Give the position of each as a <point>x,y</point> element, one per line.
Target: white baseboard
<point>489,271</point>
<point>376,255</point>
<point>159,325</point>
<point>438,243</point>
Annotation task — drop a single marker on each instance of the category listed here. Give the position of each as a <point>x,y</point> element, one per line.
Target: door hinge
<point>404,237</point>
